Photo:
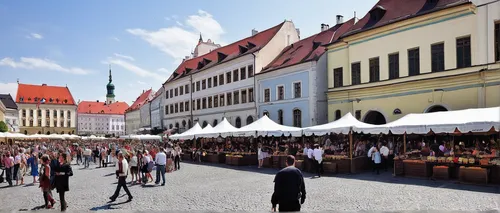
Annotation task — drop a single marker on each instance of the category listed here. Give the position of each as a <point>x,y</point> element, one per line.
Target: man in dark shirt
<point>289,189</point>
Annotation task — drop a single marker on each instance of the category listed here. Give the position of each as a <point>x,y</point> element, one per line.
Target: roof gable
<point>141,100</point>
<point>93,107</point>
<point>8,101</point>
<point>33,94</point>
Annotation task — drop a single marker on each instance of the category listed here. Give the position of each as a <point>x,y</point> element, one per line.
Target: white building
<point>220,83</point>
<point>157,110</point>
<point>11,114</point>
<point>488,30</point>
<point>133,113</point>
<point>46,109</point>
<point>145,111</point>
<point>100,118</point>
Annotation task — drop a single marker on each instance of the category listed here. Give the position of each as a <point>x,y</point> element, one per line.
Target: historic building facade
<point>46,109</point>
<point>11,113</point>
<point>157,111</point>
<point>292,88</point>
<point>101,118</point>
<point>432,56</point>
<point>133,113</point>
<point>221,83</point>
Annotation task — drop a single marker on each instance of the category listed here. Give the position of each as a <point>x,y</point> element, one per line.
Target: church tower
<point>110,96</point>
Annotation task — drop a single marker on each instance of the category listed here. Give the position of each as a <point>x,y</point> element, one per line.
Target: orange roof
<point>141,100</point>
<point>92,107</point>
<point>308,49</point>
<point>226,53</point>
<point>33,94</point>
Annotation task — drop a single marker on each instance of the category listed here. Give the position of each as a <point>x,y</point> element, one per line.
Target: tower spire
<point>110,77</point>
<point>201,39</point>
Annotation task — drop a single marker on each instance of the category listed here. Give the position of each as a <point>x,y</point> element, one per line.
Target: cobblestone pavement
<point>221,188</point>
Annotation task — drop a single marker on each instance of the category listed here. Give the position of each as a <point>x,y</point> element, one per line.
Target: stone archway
<point>436,108</point>
<point>374,117</point>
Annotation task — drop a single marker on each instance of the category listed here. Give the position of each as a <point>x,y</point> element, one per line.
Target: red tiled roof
<point>308,49</point>
<point>141,100</point>
<point>92,107</point>
<point>226,53</point>
<point>33,94</point>
<point>398,10</point>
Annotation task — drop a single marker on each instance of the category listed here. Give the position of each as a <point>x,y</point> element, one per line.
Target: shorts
<point>134,169</point>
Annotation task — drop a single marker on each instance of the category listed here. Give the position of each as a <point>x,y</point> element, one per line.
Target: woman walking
<point>33,164</point>
<point>63,172</point>
<point>45,182</point>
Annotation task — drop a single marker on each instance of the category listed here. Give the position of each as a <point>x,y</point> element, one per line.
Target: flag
<point>42,101</point>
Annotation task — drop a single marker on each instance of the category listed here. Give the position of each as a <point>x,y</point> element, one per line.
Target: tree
<point>3,127</point>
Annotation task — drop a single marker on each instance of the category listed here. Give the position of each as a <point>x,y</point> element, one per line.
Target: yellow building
<point>2,112</point>
<point>422,58</point>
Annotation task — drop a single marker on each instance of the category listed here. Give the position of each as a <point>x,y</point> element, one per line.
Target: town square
<point>332,106</point>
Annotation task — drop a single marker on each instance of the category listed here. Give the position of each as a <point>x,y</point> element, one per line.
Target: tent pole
<point>350,149</point>
<point>404,143</point>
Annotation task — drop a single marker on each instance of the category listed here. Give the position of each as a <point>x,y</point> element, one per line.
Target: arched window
<point>266,113</point>
<point>205,124</point>
<point>249,120</point>
<point>338,114</point>
<point>69,114</point>
<point>238,122</point>
<point>48,133</point>
<point>171,126</point>
<point>62,132</point>
<point>39,132</point>
<point>297,118</point>
<point>184,123</point>
<point>280,117</point>
<point>216,122</point>
<point>177,125</point>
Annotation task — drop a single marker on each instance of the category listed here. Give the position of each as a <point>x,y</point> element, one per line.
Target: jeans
<point>160,169</point>
<point>122,182</point>
<point>78,159</point>
<point>8,175</point>
<point>86,164</point>
<point>177,162</point>
<point>63,201</point>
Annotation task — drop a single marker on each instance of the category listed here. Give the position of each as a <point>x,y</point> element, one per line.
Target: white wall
<point>488,12</point>
<point>101,124</point>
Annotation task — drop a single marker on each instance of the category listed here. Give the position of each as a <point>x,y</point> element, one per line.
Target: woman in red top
<point>45,182</point>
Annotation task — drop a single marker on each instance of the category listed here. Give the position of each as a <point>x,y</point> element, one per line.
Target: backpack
<point>150,166</point>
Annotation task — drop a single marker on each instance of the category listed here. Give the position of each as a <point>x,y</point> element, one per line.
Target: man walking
<point>87,157</point>
<point>177,157</point>
<point>161,162</point>
<point>289,188</point>
<point>122,178</point>
<point>318,159</point>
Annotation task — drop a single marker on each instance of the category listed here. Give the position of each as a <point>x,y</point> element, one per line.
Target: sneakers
<point>130,199</point>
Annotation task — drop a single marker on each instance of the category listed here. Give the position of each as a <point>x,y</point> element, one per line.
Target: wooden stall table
<point>343,165</point>
<point>399,168</point>
<point>441,172</point>
<point>267,162</point>
<point>282,160</point>
<point>211,158</point>
<point>222,158</point>
<point>417,168</point>
<point>360,163</point>
<point>237,160</point>
<point>474,174</point>
<point>276,161</point>
<point>250,160</point>
<point>330,167</point>
<point>229,159</point>
<point>495,174</point>
<point>299,164</point>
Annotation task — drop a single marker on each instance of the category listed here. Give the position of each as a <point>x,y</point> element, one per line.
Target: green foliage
<point>3,127</point>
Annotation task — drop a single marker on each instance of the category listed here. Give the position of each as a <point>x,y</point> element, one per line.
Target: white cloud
<point>8,88</point>
<point>34,36</point>
<point>178,41</point>
<point>134,68</point>
<point>38,63</point>
<point>130,58</point>
<point>179,23</point>
<point>141,82</point>
<point>163,70</point>
<point>167,18</point>
<point>115,38</point>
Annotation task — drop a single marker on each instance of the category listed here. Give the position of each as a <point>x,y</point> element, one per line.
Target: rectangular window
<point>176,92</point>
<point>244,96</point>
<point>221,100</point>
<point>171,93</point>
<point>221,79</point>
<point>198,104</point>
<point>267,95</point>
<point>193,105</point>
<point>437,57</point>
<point>197,86</point>
<point>374,69</point>
<point>394,66</point>
<point>186,106</point>
<point>297,90</point>
<point>228,77</point>
<point>497,41</point>
<point>338,77</point>
<point>216,101</point>
<point>204,105</point>
<point>236,97</point>
<point>210,102</point>
<point>229,98</point>
<point>181,90</point>
<point>250,71</point>
<point>171,109</point>
<point>243,73</point>
<point>250,95</point>
<point>414,62</point>
<point>209,82</point>
<point>186,88</point>
<point>203,84</point>
<point>235,76</point>
<point>166,94</point>
<point>281,93</point>
<point>215,81</point>
<point>463,52</point>
<point>181,107</point>
<point>356,73</point>
<point>176,108</point>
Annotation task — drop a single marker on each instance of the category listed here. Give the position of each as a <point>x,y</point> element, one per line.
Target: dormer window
<point>57,100</point>
<point>36,99</point>
<point>29,99</point>
<point>21,99</point>
<point>220,56</point>
<point>65,101</point>
<point>51,100</point>
<point>242,49</point>
<point>251,45</point>
<point>429,5</point>
<point>377,13</point>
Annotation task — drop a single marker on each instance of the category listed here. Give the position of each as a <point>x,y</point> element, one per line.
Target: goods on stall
<point>449,160</point>
<point>335,157</point>
<point>495,162</point>
<point>472,160</point>
<point>484,161</point>
<point>441,159</point>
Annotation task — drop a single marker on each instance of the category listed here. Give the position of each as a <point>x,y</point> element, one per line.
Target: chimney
<point>340,19</point>
<point>254,31</point>
<point>324,27</point>
<point>298,32</point>
<point>97,101</point>
<point>44,84</point>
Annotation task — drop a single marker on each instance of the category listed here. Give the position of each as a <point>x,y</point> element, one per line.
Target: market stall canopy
<point>223,129</point>
<point>205,130</point>
<point>188,134</point>
<point>146,137</point>
<point>469,120</point>
<point>265,126</point>
<point>14,135</point>
<point>342,125</point>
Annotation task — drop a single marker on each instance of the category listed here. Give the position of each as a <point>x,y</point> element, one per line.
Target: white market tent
<point>342,125</point>
<point>205,130</point>
<point>223,129</point>
<point>468,120</point>
<point>188,134</point>
<point>265,126</point>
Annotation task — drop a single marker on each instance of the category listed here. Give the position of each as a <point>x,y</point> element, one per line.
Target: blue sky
<point>73,42</point>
